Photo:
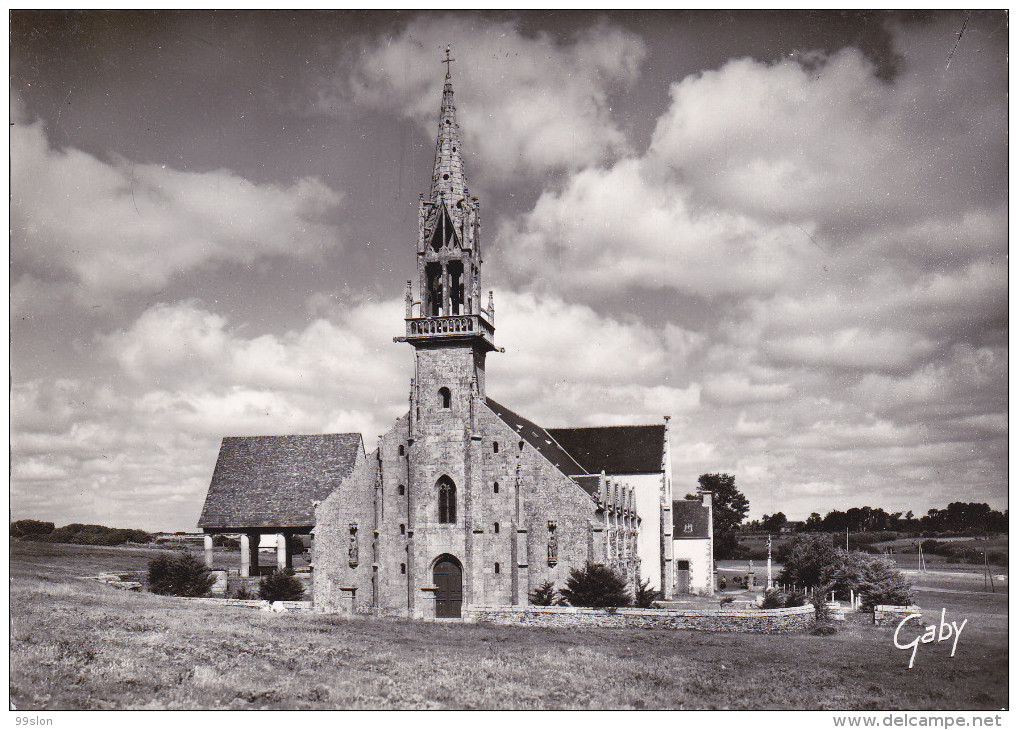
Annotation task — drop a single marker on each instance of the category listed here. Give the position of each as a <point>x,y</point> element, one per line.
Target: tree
<point>596,586</point>
<point>812,560</point>
<point>774,523</point>
<point>842,577</point>
<point>880,582</point>
<point>729,507</point>
<point>814,524</point>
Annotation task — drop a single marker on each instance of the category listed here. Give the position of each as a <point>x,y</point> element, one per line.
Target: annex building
<point>464,501</point>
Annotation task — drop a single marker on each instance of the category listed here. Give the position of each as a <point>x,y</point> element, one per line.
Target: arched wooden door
<point>449,585</point>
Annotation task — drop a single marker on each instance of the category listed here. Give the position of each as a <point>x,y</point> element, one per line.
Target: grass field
<point>80,645</point>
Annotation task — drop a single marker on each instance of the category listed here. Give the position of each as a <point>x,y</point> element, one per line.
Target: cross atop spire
<point>448,62</point>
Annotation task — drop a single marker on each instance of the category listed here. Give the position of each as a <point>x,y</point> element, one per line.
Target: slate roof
<point>539,439</point>
<point>689,513</point>
<point>614,449</point>
<point>590,484</point>
<point>273,481</point>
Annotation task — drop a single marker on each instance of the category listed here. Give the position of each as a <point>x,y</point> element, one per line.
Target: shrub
<point>280,585</point>
<point>182,575</point>
<point>30,528</point>
<point>726,600</point>
<point>797,598</point>
<point>824,630</point>
<point>596,586</point>
<point>773,599</point>
<point>243,594</point>
<point>159,574</point>
<point>722,583</point>
<point>645,596</point>
<point>544,595</point>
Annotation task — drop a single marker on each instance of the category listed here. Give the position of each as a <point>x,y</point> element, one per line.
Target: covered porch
<point>254,553</point>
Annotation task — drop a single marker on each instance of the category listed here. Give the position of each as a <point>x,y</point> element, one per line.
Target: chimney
<point>707,498</point>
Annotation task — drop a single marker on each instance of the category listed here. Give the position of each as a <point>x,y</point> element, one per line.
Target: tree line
<point>971,517</point>
<point>77,533</point>
<point>958,517</point>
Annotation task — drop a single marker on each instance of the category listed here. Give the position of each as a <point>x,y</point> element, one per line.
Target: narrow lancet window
<point>446,500</point>
<point>445,397</point>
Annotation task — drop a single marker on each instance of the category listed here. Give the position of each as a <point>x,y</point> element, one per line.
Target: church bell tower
<point>450,331</point>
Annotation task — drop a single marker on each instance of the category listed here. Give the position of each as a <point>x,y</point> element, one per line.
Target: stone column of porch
<point>283,557</point>
<point>249,553</point>
<point>208,551</point>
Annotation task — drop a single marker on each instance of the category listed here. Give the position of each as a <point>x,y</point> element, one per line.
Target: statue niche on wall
<point>353,552</point>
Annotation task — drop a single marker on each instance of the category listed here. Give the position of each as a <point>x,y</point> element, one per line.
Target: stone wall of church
<point>344,526</point>
<point>520,522</point>
<point>449,367</point>
<point>558,518</point>
<point>394,523</point>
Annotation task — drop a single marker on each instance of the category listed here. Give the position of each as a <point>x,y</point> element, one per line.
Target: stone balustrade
<point>419,328</point>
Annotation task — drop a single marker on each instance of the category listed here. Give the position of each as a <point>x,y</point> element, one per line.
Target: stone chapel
<point>464,502</point>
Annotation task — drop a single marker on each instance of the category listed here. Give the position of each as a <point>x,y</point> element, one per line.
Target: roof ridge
<point>591,428</point>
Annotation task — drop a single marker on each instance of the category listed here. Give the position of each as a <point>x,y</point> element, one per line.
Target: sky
<point>787,231</point>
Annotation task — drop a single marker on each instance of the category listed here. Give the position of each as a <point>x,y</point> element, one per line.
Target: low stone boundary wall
<point>888,615</point>
<point>750,621</point>
<point>300,606</point>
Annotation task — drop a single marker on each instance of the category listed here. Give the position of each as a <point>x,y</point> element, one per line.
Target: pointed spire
<point>448,181</point>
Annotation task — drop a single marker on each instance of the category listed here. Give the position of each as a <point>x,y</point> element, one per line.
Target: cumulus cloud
<point>525,103</point>
<point>125,227</point>
<point>761,177</point>
<point>844,239</point>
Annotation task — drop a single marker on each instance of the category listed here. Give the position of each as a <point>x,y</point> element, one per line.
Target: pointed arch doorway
<point>448,577</point>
